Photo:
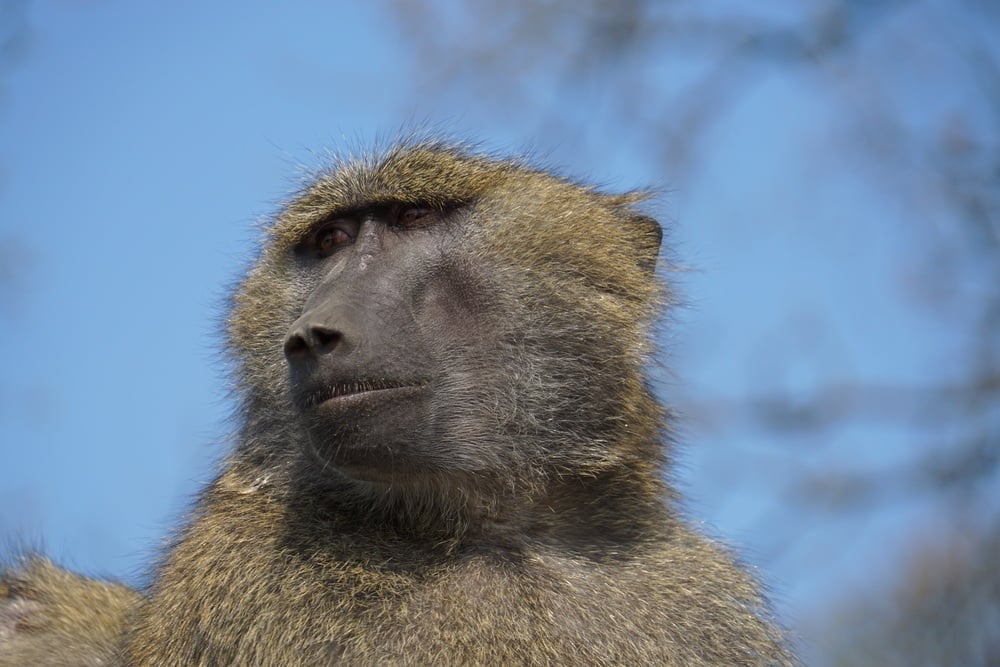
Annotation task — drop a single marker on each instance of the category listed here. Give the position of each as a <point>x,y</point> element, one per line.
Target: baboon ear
<point>652,236</point>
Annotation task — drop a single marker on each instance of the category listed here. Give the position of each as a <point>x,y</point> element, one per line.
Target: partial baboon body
<point>449,451</point>
<point>49,616</point>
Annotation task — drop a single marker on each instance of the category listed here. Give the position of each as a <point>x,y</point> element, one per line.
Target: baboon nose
<point>310,339</point>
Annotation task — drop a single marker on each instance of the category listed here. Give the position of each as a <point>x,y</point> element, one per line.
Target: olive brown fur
<point>448,452</point>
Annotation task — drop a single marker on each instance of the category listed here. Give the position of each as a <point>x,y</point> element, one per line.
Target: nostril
<point>326,339</point>
<point>296,346</point>
<point>311,340</point>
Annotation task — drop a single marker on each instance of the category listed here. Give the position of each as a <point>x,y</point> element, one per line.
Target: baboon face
<point>389,322</point>
<point>443,314</point>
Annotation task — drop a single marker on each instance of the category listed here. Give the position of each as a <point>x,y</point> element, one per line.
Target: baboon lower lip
<point>341,390</point>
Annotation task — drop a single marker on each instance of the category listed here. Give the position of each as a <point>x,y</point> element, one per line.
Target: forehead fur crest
<point>433,174</point>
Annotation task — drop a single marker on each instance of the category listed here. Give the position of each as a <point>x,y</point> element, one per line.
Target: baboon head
<point>430,315</point>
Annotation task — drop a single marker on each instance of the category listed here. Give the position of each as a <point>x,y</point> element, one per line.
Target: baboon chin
<point>448,450</point>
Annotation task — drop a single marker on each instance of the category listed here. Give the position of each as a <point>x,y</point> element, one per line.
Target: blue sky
<point>140,144</point>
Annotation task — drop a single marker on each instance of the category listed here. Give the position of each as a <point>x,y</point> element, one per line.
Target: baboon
<point>449,452</point>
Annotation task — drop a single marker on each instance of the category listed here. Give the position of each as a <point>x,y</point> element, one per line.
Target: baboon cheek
<point>457,307</point>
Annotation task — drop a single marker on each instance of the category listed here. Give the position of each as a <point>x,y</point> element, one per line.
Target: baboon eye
<point>331,236</point>
<point>413,216</point>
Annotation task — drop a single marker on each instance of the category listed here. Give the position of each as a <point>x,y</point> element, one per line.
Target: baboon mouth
<point>344,389</point>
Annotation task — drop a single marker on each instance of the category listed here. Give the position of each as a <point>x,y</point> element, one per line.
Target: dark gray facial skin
<point>363,368</point>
